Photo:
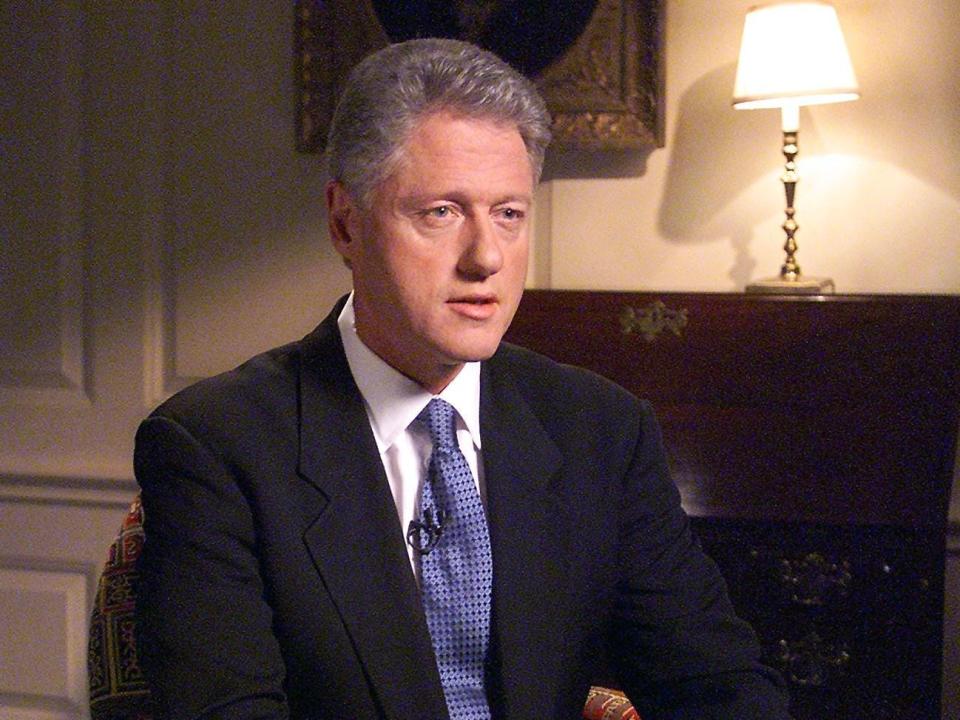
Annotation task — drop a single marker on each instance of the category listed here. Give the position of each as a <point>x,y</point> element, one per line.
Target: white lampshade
<point>793,54</point>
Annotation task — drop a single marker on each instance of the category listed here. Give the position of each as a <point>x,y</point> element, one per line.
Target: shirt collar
<point>392,399</point>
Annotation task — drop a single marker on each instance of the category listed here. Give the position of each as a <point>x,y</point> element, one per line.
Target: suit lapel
<point>357,544</point>
<point>356,541</point>
<point>528,536</point>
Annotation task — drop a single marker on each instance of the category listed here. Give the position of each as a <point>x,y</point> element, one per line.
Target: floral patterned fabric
<point>606,704</point>
<point>117,687</point>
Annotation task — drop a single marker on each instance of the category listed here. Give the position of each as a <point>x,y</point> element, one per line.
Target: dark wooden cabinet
<point>813,439</point>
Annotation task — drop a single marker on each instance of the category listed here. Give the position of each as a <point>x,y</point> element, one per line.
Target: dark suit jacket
<point>274,576</point>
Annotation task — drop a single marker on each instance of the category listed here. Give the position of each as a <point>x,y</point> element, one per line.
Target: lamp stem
<point>790,280</point>
<point>790,270</point>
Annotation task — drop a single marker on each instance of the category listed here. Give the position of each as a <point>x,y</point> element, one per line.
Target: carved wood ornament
<point>603,87</point>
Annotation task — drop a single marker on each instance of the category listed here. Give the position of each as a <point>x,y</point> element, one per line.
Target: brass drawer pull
<point>653,319</point>
<point>813,579</point>
<point>810,660</point>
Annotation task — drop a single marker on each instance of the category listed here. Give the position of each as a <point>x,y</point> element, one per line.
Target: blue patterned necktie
<point>456,572</point>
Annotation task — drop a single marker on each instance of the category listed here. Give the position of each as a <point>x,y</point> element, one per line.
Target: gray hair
<point>393,89</point>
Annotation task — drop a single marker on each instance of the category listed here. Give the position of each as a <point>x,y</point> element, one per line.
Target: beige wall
<point>162,229</point>
<point>879,198</point>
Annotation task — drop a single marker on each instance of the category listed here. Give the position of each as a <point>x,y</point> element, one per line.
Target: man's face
<point>439,258</point>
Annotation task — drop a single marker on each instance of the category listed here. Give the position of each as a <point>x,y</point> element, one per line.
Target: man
<point>401,517</point>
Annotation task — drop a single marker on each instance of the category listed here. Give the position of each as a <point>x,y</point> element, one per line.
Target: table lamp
<point>792,54</point>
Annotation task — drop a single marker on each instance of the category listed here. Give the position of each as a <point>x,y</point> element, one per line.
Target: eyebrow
<point>460,197</point>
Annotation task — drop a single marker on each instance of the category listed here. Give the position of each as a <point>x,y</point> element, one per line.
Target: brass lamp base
<point>791,281</point>
<point>801,285</point>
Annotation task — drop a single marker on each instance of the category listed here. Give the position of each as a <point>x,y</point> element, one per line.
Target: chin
<point>473,351</point>
<point>466,342</point>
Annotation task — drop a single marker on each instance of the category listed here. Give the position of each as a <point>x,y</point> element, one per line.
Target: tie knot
<point>439,417</point>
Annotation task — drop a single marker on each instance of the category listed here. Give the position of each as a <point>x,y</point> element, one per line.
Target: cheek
<point>518,258</point>
<point>415,282</point>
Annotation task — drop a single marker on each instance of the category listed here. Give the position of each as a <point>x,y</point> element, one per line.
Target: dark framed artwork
<point>598,63</point>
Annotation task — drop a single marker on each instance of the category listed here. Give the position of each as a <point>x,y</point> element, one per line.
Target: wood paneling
<point>41,256</point>
<point>44,641</point>
<point>43,646</point>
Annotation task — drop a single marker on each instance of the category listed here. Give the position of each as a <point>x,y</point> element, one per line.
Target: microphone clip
<point>424,534</point>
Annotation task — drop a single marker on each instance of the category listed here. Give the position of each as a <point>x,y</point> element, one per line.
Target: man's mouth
<point>475,307</point>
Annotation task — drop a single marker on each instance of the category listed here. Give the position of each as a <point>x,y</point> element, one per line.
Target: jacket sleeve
<point>678,648</point>
<point>204,629</point>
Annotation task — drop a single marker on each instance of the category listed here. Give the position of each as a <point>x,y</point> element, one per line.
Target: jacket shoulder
<point>267,380</point>
<point>543,375</point>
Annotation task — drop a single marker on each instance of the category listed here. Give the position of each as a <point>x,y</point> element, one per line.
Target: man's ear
<point>343,219</point>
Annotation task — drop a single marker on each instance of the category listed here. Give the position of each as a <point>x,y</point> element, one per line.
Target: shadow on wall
<point>583,164</point>
<point>716,153</point>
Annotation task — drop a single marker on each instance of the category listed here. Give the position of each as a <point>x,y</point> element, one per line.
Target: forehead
<point>446,148</point>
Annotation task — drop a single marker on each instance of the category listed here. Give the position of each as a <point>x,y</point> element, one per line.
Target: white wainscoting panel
<point>43,646</point>
<point>53,543</point>
<point>21,713</point>
<point>41,291</point>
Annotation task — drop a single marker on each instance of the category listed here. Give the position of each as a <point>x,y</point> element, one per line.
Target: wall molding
<point>66,380</point>
<point>74,584</point>
<point>27,707</point>
<point>160,378</point>
<point>70,491</point>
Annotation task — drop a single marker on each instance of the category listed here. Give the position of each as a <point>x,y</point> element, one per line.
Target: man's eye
<point>441,212</point>
<point>512,214</point>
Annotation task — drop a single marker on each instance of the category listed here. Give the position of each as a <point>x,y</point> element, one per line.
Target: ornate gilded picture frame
<point>599,64</point>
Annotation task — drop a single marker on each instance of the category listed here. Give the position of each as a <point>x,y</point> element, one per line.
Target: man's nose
<point>482,255</point>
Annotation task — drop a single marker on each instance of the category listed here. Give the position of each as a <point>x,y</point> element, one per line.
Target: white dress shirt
<point>393,401</point>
